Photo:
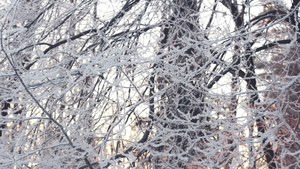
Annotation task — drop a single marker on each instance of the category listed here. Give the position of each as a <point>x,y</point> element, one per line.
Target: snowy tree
<point>149,84</point>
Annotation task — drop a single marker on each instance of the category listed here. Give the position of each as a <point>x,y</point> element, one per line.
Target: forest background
<point>149,84</point>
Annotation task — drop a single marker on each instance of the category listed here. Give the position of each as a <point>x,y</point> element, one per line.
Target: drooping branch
<point>277,13</point>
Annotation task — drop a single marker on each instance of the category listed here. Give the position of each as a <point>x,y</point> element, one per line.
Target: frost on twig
<point>149,84</point>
